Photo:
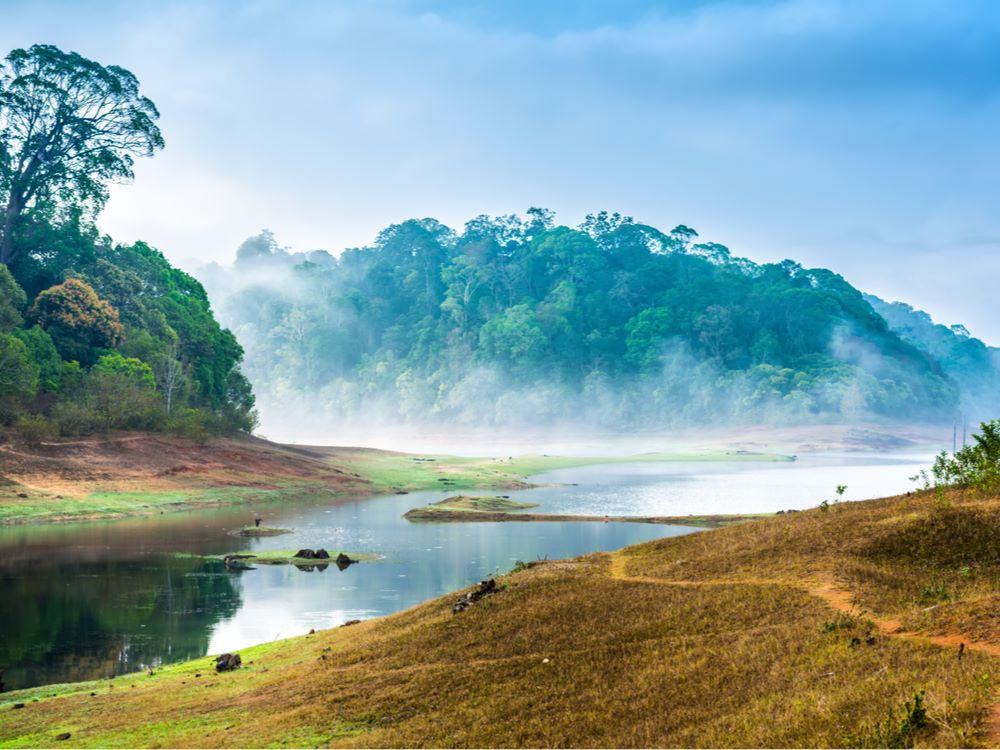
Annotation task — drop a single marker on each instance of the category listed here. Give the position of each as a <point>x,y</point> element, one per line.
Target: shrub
<point>74,418</point>
<point>35,428</point>
<point>194,424</point>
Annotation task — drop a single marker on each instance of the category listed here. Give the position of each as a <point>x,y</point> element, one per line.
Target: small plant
<point>936,592</point>
<point>893,732</point>
<point>843,621</point>
<point>520,565</point>
<point>824,506</point>
<point>841,489</point>
<point>965,572</point>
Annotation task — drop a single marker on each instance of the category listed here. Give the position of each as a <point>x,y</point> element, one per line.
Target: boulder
<point>344,561</point>
<point>227,662</point>
<point>307,554</point>
<point>321,554</point>
<point>63,736</point>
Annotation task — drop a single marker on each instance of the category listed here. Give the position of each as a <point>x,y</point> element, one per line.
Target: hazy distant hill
<point>517,320</point>
<point>973,365</point>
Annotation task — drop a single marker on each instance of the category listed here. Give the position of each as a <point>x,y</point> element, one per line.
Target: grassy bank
<point>388,471</point>
<point>789,631</point>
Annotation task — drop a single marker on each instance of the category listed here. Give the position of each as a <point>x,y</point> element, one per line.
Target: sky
<point>861,136</point>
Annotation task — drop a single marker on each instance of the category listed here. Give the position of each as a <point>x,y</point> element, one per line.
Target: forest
<point>95,335</point>
<point>614,323</point>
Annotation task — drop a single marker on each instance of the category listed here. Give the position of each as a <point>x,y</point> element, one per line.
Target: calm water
<point>92,600</point>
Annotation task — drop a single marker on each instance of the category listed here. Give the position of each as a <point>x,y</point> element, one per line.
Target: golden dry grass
<point>728,638</point>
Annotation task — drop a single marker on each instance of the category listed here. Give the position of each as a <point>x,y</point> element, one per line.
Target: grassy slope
<point>721,638</point>
<point>137,474</point>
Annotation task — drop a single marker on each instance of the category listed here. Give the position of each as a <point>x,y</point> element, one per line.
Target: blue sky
<point>861,136</point>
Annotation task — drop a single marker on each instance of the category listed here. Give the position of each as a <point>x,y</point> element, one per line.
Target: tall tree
<point>68,128</point>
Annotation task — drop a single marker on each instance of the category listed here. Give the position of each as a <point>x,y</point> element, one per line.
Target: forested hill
<point>973,365</point>
<point>518,321</point>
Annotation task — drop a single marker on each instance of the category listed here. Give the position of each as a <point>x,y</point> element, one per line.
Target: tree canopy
<point>518,319</point>
<point>68,127</point>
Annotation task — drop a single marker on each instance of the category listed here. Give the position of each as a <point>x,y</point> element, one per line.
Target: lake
<point>90,600</point>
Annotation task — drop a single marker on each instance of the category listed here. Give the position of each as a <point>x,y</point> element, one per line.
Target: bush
<point>35,428</point>
<point>74,418</point>
<point>194,424</point>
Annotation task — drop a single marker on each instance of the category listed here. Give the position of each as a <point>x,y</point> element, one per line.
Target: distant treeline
<point>517,320</point>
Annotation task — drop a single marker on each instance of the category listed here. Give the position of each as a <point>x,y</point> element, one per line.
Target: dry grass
<point>724,638</point>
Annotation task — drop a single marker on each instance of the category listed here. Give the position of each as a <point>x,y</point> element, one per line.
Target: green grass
<point>466,503</point>
<point>390,472</point>
<point>115,504</point>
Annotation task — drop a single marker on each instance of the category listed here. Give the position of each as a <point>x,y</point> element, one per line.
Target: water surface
<point>97,599</point>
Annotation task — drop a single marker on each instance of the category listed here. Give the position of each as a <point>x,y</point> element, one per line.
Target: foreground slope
<point>741,636</point>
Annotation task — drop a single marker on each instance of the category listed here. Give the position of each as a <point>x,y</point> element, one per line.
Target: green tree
<point>18,376</point>
<point>68,127</point>
<point>12,301</point>
<point>134,370</point>
<point>43,354</point>
<point>79,321</point>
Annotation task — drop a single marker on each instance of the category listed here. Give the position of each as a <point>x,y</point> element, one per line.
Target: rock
<point>350,622</point>
<point>343,561</point>
<point>18,705</point>
<point>22,494</point>
<point>227,662</point>
<point>487,587</point>
<point>322,554</point>
<point>63,736</point>
<point>306,554</point>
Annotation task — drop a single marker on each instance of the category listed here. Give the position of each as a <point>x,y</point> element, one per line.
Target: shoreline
<point>439,515</point>
<point>141,474</point>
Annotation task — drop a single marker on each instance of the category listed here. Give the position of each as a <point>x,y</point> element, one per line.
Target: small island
<point>255,531</point>
<point>299,558</point>
<point>461,508</point>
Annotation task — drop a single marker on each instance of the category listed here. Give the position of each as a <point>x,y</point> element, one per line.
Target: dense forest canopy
<point>95,335</point>
<point>517,320</point>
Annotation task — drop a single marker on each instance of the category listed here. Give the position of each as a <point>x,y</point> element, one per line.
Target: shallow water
<point>92,600</point>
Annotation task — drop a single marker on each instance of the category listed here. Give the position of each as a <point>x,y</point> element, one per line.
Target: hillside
<point>816,628</point>
<point>517,321</point>
<point>973,365</point>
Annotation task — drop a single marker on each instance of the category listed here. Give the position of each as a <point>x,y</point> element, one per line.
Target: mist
<point>515,325</point>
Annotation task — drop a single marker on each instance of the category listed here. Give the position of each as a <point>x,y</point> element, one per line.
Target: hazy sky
<point>861,136</point>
